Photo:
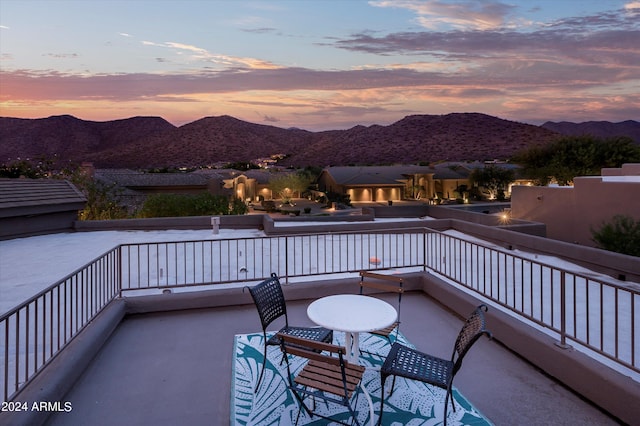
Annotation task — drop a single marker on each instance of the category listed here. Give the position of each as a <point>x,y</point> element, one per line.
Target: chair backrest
<point>269,301</point>
<point>472,330</point>
<point>387,283</point>
<point>312,349</point>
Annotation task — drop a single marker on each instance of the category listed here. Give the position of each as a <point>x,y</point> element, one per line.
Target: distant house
<point>441,181</point>
<point>389,183</point>
<point>134,186</point>
<point>364,183</point>
<point>250,185</point>
<point>38,206</point>
<point>449,177</point>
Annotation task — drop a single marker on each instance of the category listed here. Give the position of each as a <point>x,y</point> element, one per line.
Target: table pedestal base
<point>352,344</point>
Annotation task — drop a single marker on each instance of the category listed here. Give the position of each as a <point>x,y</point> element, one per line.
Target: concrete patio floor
<point>174,368</point>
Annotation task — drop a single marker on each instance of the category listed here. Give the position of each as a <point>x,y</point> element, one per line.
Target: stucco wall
<point>571,212</point>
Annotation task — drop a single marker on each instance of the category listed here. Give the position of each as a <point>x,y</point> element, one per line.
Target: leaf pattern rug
<point>412,403</point>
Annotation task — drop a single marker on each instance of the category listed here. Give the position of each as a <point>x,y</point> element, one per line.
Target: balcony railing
<point>593,313</point>
<point>194,263</point>
<point>33,333</point>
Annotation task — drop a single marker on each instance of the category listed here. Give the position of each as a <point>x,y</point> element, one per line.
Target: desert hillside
<point>145,142</point>
<point>601,129</point>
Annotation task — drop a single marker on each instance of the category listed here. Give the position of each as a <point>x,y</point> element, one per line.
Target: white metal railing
<point>33,333</point>
<point>595,313</point>
<point>192,263</point>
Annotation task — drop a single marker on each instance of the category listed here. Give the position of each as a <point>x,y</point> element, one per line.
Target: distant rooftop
<point>132,178</point>
<point>37,196</point>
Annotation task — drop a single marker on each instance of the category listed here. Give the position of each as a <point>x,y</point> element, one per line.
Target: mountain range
<point>152,142</point>
<point>600,129</point>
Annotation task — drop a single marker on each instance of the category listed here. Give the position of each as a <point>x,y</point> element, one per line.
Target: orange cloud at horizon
<point>305,98</point>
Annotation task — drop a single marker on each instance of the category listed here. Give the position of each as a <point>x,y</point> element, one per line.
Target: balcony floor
<point>175,368</point>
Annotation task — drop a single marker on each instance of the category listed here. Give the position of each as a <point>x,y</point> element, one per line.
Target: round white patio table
<point>353,314</point>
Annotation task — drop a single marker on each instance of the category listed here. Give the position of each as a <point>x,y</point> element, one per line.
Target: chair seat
<point>413,364</point>
<point>328,378</point>
<point>319,334</point>
<point>326,375</point>
<point>386,331</point>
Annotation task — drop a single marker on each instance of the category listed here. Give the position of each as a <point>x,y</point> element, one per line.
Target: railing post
<point>424,249</point>
<point>119,279</point>
<point>286,260</point>
<point>563,314</point>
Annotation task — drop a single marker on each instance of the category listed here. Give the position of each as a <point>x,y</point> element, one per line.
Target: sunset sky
<point>318,65</point>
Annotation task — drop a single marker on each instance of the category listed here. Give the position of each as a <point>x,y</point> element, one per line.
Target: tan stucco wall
<point>629,169</point>
<point>571,212</point>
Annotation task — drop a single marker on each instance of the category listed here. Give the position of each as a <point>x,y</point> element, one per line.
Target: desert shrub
<point>102,200</point>
<point>336,197</point>
<point>269,206</point>
<point>621,234</point>
<point>176,205</point>
<point>238,207</point>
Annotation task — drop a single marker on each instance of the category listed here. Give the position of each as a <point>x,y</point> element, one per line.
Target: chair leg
<point>446,403</point>
<point>264,362</point>
<point>393,385</point>
<point>450,396</point>
<point>354,416</point>
<point>445,416</point>
<point>383,379</point>
<point>302,406</point>
<point>298,416</point>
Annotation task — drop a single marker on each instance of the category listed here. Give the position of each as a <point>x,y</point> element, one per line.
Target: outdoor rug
<point>412,403</point>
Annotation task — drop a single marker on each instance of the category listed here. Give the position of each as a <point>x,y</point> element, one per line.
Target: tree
<point>494,179</point>
<point>573,156</point>
<point>621,234</point>
<point>102,200</point>
<point>287,185</point>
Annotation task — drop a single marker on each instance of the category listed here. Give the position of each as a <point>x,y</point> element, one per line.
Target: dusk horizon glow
<point>320,65</point>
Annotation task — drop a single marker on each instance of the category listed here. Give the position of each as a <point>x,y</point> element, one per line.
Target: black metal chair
<point>325,376</point>
<point>381,282</point>
<point>271,305</point>
<point>415,365</point>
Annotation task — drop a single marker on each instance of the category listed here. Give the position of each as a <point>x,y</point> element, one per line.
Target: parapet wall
<point>515,234</point>
<point>161,223</point>
<point>616,265</point>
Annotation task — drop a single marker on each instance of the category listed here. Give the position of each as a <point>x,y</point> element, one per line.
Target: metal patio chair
<point>412,364</point>
<point>271,305</point>
<point>326,375</point>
